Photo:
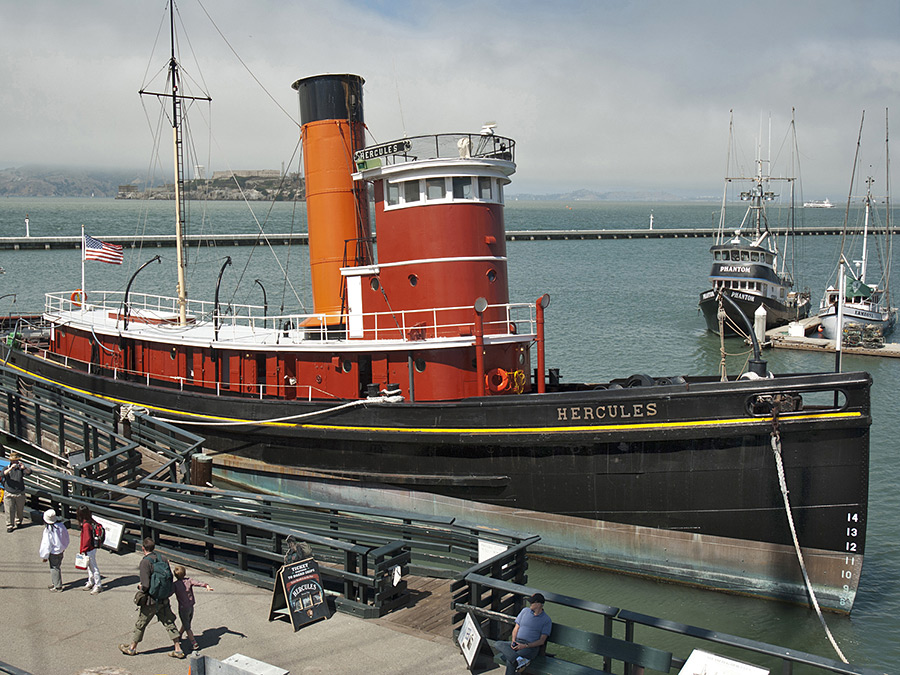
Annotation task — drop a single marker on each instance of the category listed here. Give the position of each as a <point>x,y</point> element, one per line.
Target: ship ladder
<point>776,449</point>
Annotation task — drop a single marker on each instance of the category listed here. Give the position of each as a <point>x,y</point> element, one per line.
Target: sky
<point>598,95</point>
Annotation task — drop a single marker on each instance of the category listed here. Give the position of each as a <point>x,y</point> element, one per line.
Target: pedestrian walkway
<point>75,633</point>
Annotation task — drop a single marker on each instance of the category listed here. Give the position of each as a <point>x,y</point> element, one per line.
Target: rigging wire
<point>241,61</point>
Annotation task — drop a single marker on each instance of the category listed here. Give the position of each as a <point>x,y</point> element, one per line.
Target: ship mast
<point>179,172</point>
<point>174,80</point>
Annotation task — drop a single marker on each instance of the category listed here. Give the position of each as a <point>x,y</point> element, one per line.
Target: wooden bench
<point>591,643</point>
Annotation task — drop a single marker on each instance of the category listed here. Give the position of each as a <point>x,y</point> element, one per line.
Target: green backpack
<point>160,579</point>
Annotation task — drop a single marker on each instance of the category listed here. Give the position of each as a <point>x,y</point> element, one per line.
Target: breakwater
<point>279,239</point>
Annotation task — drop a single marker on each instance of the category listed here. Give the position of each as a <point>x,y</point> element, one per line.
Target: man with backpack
<point>152,600</point>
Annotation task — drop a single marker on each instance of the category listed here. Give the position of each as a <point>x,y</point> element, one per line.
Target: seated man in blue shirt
<point>531,631</point>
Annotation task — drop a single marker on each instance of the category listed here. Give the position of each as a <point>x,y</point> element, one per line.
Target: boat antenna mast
<point>887,229</point>
<point>174,81</point>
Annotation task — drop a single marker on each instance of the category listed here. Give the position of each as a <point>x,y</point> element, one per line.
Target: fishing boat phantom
<point>866,315</point>
<point>417,385</point>
<point>746,265</point>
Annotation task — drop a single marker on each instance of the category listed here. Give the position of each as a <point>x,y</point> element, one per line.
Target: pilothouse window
<point>401,194</point>
<point>462,187</point>
<point>411,191</point>
<point>435,188</point>
<point>393,194</point>
<point>484,188</point>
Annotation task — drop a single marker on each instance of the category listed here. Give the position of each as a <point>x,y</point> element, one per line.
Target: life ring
<point>497,380</point>
<point>77,297</point>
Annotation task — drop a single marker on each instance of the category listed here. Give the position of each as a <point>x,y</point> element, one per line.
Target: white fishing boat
<point>866,314</point>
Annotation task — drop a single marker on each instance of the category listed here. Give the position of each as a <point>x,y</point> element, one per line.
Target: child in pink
<point>185,595</point>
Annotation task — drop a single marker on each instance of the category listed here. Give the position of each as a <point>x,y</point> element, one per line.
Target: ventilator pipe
<point>756,365</point>
<point>216,305</point>
<point>540,305</point>
<point>126,310</point>
<point>480,305</point>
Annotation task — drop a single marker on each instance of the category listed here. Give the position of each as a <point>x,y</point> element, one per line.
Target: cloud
<point>598,95</point>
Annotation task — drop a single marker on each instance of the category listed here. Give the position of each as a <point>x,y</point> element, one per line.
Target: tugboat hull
<point>676,480</point>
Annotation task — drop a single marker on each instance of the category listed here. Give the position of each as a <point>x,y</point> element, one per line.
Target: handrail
<point>505,595</point>
<point>439,322</point>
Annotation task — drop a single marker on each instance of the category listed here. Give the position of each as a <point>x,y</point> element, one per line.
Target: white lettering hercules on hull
<point>605,412</point>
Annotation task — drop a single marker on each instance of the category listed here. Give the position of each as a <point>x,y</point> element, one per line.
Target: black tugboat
<point>416,384</point>
<point>747,265</point>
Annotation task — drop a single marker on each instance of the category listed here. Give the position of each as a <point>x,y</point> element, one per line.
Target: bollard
<point>759,324</point>
<point>201,470</point>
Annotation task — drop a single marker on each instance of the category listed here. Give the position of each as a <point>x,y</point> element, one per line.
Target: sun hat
<point>13,456</point>
<point>50,516</point>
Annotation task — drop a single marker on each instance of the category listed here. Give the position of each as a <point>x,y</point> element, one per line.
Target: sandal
<point>127,650</point>
<point>177,655</point>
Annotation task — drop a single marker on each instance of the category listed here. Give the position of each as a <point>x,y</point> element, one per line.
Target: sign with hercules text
<point>299,594</point>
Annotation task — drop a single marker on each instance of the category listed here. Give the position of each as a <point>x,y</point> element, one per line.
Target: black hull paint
<point>693,457</point>
<point>777,313</point>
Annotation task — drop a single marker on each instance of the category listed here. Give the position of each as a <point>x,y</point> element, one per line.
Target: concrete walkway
<point>76,633</point>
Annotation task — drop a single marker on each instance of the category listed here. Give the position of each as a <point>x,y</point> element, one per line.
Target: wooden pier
<point>780,338</point>
<point>302,238</point>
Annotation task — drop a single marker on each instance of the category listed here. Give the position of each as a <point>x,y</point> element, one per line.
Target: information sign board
<point>299,594</point>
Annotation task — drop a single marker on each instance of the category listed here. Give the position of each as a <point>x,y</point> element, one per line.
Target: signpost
<point>299,594</point>
<point>470,640</point>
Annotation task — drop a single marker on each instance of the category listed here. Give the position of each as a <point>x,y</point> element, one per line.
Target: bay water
<point>618,307</point>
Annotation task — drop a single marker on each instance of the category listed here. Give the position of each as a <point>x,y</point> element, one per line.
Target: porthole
<point>492,275</point>
<point>346,365</point>
<point>413,279</point>
<point>420,365</point>
<point>521,358</point>
<point>374,285</point>
<point>173,354</point>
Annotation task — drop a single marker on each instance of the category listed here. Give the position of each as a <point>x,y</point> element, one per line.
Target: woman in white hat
<point>53,543</point>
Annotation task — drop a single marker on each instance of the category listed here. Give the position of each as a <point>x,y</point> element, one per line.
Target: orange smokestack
<point>337,211</point>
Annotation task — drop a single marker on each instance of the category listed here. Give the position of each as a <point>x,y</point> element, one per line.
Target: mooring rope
<point>776,449</point>
<point>720,315</point>
<point>377,400</point>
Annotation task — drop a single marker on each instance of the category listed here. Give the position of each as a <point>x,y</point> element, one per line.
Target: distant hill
<point>46,181</point>
<point>43,181</point>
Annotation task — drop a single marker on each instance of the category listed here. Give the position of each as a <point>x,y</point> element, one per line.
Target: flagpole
<point>83,290</point>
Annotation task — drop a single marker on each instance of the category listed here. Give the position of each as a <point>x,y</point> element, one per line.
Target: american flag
<point>94,249</point>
